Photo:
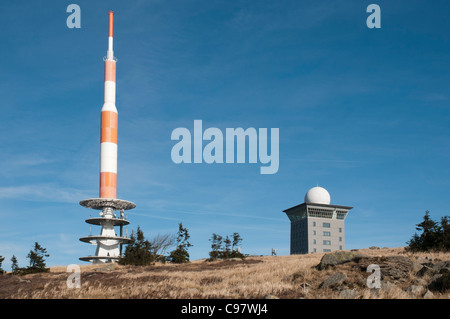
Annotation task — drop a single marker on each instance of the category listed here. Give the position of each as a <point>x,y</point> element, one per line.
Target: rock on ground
<point>334,280</point>
<point>393,267</point>
<point>415,289</point>
<point>337,258</point>
<point>440,282</point>
<point>431,269</point>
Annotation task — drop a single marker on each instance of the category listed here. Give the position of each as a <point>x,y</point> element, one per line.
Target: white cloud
<point>43,193</point>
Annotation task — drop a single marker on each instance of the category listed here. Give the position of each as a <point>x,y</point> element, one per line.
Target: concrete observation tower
<point>316,225</point>
<point>109,245</point>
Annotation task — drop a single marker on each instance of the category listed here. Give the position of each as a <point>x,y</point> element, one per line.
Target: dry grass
<point>254,277</point>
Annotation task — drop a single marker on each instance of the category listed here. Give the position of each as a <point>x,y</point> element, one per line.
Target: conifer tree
<point>139,251</point>
<point>433,236</point>
<point>1,261</point>
<point>14,265</point>
<point>445,236</point>
<point>227,248</point>
<point>180,254</point>
<point>216,246</point>
<point>236,240</point>
<point>37,260</point>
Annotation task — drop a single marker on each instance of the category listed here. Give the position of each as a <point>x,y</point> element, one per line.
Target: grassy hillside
<point>254,277</point>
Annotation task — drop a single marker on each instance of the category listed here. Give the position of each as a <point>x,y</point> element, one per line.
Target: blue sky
<point>363,112</point>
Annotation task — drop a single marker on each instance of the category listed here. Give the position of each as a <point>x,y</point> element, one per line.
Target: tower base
<point>109,245</point>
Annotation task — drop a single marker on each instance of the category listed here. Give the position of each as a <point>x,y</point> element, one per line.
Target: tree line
<point>141,251</point>
<point>433,236</point>
<point>36,258</point>
<point>225,247</point>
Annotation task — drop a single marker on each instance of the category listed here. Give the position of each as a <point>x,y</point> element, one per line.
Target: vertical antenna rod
<point>110,54</point>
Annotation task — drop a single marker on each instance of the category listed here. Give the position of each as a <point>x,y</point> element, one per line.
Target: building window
<point>326,250</point>
<point>340,247</point>
<point>326,233</point>
<point>340,215</point>
<point>326,225</point>
<point>314,232</point>
<point>314,241</point>
<point>340,238</point>
<point>327,242</point>
<point>340,229</point>
<point>315,250</point>
<point>321,213</point>
<point>314,224</point>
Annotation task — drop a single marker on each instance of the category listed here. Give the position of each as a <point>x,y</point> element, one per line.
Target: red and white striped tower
<point>108,136</point>
<point>108,243</point>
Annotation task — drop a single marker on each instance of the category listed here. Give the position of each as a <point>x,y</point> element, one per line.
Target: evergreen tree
<point>37,261</point>
<point>430,230</point>
<point>414,243</point>
<point>236,240</point>
<point>180,254</point>
<point>216,246</point>
<point>1,261</point>
<point>227,248</point>
<point>433,236</point>
<point>139,251</point>
<point>14,265</point>
<point>445,235</point>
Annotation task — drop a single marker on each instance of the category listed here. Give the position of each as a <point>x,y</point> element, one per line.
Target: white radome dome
<point>317,195</point>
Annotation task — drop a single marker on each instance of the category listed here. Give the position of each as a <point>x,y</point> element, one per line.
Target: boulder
<point>442,267</point>
<point>333,281</point>
<point>337,258</point>
<point>416,267</point>
<point>431,269</point>
<point>440,282</point>
<point>393,267</point>
<point>427,269</point>
<point>398,263</point>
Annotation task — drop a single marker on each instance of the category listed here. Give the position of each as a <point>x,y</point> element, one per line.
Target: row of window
<point>326,225</point>
<point>326,250</point>
<point>321,213</point>
<point>326,242</point>
<point>326,213</point>
<point>326,234</point>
